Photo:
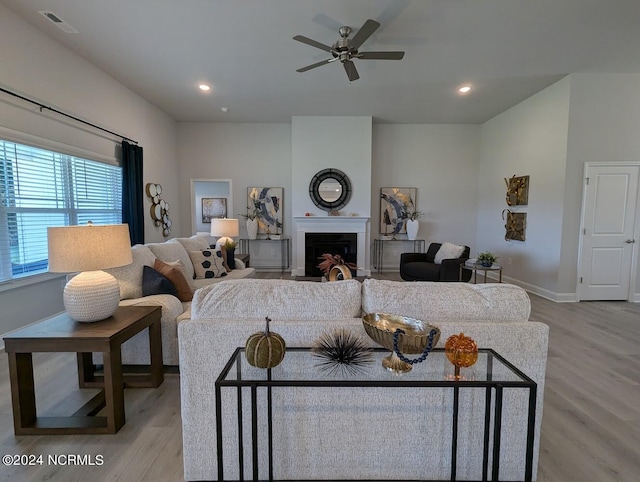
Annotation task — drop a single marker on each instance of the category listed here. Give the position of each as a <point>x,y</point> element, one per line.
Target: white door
<point>608,226</point>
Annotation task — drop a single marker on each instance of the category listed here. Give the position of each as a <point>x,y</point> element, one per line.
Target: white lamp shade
<point>88,248</point>
<point>92,295</point>
<point>224,227</point>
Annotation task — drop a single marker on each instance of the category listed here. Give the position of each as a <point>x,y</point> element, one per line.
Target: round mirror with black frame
<point>330,189</point>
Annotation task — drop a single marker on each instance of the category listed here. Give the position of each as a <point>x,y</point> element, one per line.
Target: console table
<point>492,373</point>
<point>284,245</point>
<point>378,249</point>
<point>63,334</point>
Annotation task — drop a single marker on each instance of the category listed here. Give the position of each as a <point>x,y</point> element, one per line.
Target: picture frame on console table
<point>269,201</point>
<point>213,208</point>
<point>394,202</point>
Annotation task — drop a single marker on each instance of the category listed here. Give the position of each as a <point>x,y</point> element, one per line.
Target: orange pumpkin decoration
<point>461,350</point>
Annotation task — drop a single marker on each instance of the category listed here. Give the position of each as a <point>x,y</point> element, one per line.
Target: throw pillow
<point>448,251</point>
<point>207,263</point>
<point>177,277</point>
<point>154,283</point>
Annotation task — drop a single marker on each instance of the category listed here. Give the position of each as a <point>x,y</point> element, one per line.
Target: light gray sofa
<point>136,351</point>
<point>365,433</point>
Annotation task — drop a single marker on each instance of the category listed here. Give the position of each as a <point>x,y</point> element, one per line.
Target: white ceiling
<point>507,49</point>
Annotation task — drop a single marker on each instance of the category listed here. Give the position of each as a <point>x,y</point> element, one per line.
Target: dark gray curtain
<point>133,191</point>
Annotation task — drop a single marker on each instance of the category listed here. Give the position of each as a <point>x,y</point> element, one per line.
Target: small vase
<point>412,229</point>
<point>486,264</point>
<point>252,228</point>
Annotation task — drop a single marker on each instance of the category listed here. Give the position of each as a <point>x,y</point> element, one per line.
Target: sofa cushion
<point>130,276</point>
<point>278,299</point>
<point>173,250</point>
<point>207,264</point>
<point>154,283</point>
<point>176,275</point>
<point>194,243</point>
<point>429,301</point>
<point>448,251</point>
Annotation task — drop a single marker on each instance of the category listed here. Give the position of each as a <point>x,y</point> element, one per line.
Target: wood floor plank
<point>590,425</point>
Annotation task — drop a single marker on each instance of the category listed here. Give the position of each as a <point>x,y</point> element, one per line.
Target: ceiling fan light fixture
<point>204,87</point>
<point>465,89</point>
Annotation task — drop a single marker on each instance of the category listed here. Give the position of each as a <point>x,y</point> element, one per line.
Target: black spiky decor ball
<point>341,350</point>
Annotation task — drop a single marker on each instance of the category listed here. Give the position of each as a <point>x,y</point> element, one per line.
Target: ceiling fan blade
<point>313,66</point>
<point>364,33</point>
<point>313,43</point>
<point>380,55</point>
<point>351,71</point>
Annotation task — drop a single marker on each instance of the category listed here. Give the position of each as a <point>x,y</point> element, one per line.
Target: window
<point>41,188</point>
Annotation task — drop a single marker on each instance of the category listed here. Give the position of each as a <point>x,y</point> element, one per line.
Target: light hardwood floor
<point>590,427</point>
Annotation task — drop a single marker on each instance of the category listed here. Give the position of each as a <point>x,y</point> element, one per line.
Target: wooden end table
<point>63,334</point>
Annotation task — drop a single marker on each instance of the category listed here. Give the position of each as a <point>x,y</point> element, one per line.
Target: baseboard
<point>545,293</point>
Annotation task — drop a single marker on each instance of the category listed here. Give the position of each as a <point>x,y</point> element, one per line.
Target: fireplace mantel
<point>331,224</point>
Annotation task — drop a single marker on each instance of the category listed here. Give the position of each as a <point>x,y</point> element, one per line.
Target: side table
<point>63,334</point>
<point>478,267</point>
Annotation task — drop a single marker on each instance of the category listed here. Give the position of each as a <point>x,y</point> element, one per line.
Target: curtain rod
<point>42,106</point>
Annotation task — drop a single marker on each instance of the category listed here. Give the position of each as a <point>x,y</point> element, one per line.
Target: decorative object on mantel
<point>341,350</point>
<point>335,212</point>
<point>486,259</point>
<point>265,349</point>
<point>515,225</point>
<point>268,201</point>
<point>395,202</point>
<point>462,351</point>
<point>401,334</point>
<point>517,190</point>
<point>213,207</point>
<point>330,189</point>
<point>159,208</point>
<point>335,268</point>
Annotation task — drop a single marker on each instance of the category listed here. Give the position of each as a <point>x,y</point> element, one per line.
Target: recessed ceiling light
<point>465,89</point>
<point>204,87</point>
<point>224,109</point>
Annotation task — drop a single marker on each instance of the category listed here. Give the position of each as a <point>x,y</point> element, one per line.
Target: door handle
<point>630,241</point>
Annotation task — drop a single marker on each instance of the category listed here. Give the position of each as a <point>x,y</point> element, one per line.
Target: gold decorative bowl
<point>415,336</point>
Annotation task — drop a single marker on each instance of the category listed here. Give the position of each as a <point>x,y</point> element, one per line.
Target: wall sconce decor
<point>159,208</point>
<point>517,190</point>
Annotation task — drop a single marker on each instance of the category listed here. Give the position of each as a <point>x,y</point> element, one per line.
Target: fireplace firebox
<point>317,244</point>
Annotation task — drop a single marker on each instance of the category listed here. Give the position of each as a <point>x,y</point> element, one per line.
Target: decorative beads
<point>425,353</point>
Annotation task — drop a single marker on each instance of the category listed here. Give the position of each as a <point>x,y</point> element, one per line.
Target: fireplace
<point>317,244</point>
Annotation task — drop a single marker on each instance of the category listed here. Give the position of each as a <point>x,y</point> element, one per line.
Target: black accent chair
<point>421,266</point>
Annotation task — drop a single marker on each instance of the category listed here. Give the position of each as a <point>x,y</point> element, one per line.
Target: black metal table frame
<point>489,385</point>
<point>285,250</point>
<point>378,249</point>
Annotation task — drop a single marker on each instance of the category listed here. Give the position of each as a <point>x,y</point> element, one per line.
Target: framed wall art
<point>395,202</point>
<point>517,190</point>
<point>268,202</point>
<point>515,225</point>
<point>213,207</point>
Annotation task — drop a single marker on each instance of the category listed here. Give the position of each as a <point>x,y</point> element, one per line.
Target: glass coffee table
<point>300,369</point>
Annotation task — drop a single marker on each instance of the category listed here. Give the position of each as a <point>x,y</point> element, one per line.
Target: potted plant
<point>486,259</point>
<point>411,214</point>
<point>335,267</point>
<point>253,214</point>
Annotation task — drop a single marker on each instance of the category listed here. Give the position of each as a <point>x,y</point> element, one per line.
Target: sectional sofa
<point>364,433</point>
<point>130,279</point>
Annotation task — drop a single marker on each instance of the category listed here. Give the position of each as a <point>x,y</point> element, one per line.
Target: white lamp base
<point>91,296</point>
<point>222,241</point>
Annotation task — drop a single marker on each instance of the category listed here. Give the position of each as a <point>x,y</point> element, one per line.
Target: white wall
<point>604,126</point>
<point>38,67</point>
<point>528,139</point>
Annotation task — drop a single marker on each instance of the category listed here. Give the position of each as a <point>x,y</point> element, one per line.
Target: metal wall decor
<point>395,203</point>
<point>515,225</point>
<point>159,208</point>
<point>213,208</point>
<point>269,202</point>
<point>517,190</point>
<point>330,190</point>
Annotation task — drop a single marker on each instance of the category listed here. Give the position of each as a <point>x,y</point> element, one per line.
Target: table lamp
<point>225,228</point>
<point>92,294</point>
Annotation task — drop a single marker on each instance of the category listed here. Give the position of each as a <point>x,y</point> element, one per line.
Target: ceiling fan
<point>346,49</point>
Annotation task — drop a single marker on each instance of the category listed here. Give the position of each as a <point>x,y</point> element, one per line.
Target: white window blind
<point>41,188</point>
